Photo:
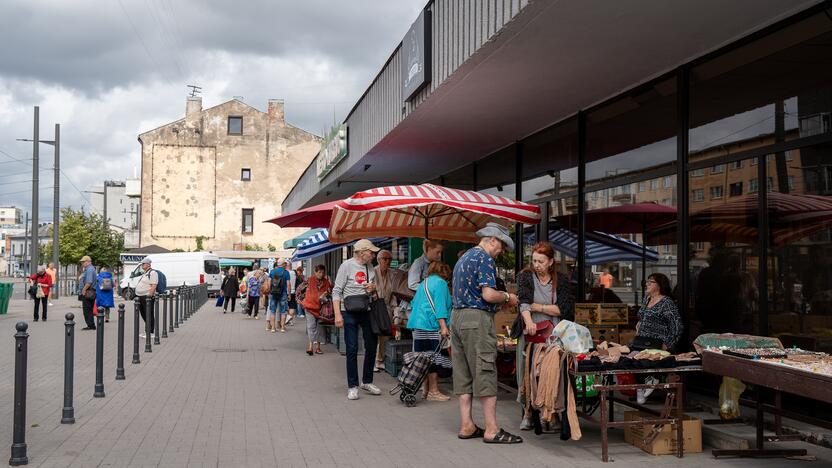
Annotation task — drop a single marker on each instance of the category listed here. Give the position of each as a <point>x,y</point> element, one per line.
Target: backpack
<point>106,284</point>
<point>278,283</point>
<point>162,285</point>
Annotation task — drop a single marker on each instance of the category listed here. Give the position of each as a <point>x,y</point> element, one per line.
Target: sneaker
<point>652,381</point>
<point>282,330</point>
<point>438,396</point>
<point>142,336</point>
<point>641,398</point>
<point>352,393</point>
<point>371,389</point>
<point>273,330</point>
<point>525,425</point>
<point>51,304</point>
<point>379,367</point>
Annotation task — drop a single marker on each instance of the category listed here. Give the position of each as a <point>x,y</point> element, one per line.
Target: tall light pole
<point>34,250</point>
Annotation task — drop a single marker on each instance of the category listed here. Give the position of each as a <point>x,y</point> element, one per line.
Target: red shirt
<point>44,281</point>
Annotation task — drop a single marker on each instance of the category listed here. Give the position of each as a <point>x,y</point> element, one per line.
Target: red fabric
<point>311,301</point>
<point>313,217</point>
<point>45,282</point>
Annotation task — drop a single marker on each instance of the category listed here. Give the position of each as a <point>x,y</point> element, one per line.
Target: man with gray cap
<point>89,280</point>
<point>473,336</point>
<point>145,290</point>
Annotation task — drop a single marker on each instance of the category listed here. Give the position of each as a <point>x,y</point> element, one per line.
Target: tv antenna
<point>195,90</point>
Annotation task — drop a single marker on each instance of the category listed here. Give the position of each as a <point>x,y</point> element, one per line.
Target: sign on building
<point>333,151</point>
<point>416,57</point>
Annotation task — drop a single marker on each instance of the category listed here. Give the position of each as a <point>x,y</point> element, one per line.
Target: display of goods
<point>755,353</point>
<point>734,341</point>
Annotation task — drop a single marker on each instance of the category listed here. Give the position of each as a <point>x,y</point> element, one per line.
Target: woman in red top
<point>317,286</point>
<point>43,283</point>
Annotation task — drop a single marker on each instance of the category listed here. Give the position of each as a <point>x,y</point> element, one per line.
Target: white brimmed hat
<point>365,244</point>
<point>499,231</point>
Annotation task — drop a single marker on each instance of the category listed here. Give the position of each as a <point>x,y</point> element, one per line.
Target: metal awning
<point>229,262</point>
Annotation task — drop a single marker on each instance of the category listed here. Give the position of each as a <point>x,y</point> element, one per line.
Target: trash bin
<point>5,295</point>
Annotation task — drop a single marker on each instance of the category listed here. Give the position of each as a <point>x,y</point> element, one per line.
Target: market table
<point>780,378</point>
<point>675,393</point>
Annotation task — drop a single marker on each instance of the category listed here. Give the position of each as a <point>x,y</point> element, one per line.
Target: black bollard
<point>156,305</point>
<point>19,438</point>
<point>120,359</point>
<point>136,307</point>
<point>148,317</point>
<point>99,355</point>
<point>68,416</point>
<point>165,315</point>
<point>175,309</point>
<point>171,321</point>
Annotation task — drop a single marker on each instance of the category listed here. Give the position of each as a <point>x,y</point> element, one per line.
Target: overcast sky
<point>108,70</point>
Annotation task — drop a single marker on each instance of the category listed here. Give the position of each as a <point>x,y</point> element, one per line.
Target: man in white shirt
<point>145,290</point>
<point>293,304</point>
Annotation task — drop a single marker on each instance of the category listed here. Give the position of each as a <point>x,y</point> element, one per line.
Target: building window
<point>245,174</point>
<point>235,125</point>
<point>754,161</point>
<point>735,189</point>
<point>791,182</point>
<point>736,165</point>
<point>642,186</point>
<point>718,169</point>
<point>697,172</point>
<point>248,220</point>
<point>654,184</point>
<point>753,186</point>
<point>668,181</point>
<point>699,246</point>
<point>716,191</point>
<point>698,195</point>
<point>789,156</point>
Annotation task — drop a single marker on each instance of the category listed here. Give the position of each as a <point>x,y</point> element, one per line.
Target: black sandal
<point>504,437</point>
<point>478,432</point>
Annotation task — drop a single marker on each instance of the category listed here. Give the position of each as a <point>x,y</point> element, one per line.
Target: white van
<point>188,268</point>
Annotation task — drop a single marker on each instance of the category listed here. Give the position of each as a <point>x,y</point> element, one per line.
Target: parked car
<point>180,268</point>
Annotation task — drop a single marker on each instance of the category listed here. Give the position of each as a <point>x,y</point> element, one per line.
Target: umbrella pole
<point>643,260</point>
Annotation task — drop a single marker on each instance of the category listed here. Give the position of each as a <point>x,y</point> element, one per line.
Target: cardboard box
<point>604,333</point>
<point>504,318</point>
<point>601,314</point>
<point>665,441</point>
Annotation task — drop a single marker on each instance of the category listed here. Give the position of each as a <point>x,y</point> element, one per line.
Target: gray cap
<point>147,260</point>
<point>499,231</point>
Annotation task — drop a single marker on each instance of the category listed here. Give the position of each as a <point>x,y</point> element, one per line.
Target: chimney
<point>193,106</point>
<point>276,113</point>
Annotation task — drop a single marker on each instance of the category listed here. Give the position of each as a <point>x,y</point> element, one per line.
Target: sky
<point>108,70</point>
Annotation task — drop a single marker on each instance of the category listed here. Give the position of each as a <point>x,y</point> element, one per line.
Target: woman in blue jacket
<point>431,322</point>
<point>104,292</point>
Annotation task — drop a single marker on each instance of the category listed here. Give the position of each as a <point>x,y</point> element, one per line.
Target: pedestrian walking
<point>104,292</point>
<point>145,290</point>
<point>317,287</point>
<point>291,298</point>
<point>473,336</point>
<point>42,284</point>
<point>254,294</point>
<point>279,290</point>
<point>351,297</point>
<point>87,285</point>
<point>300,279</point>
<point>265,285</point>
<point>53,274</point>
<point>229,289</point>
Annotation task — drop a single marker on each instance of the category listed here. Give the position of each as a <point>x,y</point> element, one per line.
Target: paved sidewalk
<point>221,391</point>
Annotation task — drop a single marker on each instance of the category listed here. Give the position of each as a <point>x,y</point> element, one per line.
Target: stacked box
<point>342,344</point>
<point>394,352</point>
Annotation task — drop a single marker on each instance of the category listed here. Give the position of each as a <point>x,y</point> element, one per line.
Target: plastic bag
<point>573,337</point>
<point>590,389</point>
<point>729,398</point>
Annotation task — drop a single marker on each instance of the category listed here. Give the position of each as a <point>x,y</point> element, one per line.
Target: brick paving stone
<point>223,392</point>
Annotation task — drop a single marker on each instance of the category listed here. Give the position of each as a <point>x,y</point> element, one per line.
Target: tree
<point>81,234</point>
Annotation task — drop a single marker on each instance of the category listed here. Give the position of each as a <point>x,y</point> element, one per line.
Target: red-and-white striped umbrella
<point>424,210</point>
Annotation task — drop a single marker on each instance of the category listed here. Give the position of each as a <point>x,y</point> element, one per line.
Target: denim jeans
<point>351,324</point>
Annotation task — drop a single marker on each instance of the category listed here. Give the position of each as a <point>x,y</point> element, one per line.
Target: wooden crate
<point>593,313</point>
<point>604,333</point>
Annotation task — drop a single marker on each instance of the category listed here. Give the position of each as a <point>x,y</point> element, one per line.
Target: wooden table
<point>780,378</point>
<point>673,402</point>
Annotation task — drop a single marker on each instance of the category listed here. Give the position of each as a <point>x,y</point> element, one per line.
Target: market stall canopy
<point>313,217</point>
<point>625,219</point>
<point>600,247</point>
<point>229,262</point>
<point>319,244</point>
<point>295,241</point>
<point>427,210</point>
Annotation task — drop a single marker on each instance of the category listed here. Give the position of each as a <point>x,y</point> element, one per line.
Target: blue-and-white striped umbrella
<point>600,247</point>
<point>318,244</point>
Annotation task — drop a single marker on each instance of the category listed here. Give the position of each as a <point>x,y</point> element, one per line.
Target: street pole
<point>106,221</point>
<point>56,215</point>
<point>26,247</point>
<point>34,250</point>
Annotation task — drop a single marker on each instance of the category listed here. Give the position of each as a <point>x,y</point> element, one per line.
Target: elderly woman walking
<point>351,296</point>
<point>230,288</point>
<point>430,318</point>
<point>42,283</point>
<point>317,288</point>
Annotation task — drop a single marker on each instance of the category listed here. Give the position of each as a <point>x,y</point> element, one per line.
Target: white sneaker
<point>352,393</point>
<point>652,381</point>
<point>641,398</point>
<point>50,304</point>
<point>371,389</point>
<point>142,336</point>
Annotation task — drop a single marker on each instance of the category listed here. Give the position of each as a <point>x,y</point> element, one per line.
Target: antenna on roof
<point>195,90</point>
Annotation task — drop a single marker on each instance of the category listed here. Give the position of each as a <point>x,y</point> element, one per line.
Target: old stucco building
<point>219,173</point>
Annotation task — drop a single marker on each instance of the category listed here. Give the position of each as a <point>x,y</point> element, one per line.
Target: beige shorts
<point>474,350</point>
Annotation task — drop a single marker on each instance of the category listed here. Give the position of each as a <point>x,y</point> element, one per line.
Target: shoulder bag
<point>445,343</point>
<point>544,329</point>
<point>358,303</point>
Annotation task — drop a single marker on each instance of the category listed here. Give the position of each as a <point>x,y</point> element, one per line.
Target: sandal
<point>504,437</point>
<point>478,432</point>
<point>309,350</point>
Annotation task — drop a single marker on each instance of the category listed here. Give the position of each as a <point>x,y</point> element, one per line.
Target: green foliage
<point>199,240</point>
<point>253,247</point>
<point>87,234</point>
<point>271,248</point>
<point>177,250</point>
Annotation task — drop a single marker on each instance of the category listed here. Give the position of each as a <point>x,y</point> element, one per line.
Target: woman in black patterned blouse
<point>659,317</point>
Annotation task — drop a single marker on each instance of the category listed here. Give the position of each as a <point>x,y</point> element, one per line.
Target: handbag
<point>519,324</point>
<point>358,303</point>
<point>544,330</point>
<point>445,343</point>
<point>641,343</point>
<point>380,319</point>
<point>326,314</point>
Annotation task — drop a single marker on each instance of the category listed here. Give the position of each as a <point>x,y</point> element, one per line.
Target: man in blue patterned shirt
<point>473,336</point>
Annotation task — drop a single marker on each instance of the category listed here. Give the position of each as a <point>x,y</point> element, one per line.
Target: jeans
<point>279,304</point>
<point>352,322</point>
<point>87,305</point>
<point>38,302</point>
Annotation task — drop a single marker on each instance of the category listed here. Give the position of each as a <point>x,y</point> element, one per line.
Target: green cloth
<point>229,262</point>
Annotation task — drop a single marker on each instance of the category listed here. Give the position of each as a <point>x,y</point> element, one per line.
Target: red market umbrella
<point>427,210</point>
<point>313,217</point>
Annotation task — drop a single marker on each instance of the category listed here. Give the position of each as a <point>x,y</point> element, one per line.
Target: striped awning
<point>424,210</point>
<point>319,244</point>
<point>600,247</point>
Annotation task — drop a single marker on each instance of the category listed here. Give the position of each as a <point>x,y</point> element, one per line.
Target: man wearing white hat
<point>145,290</point>
<point>473,336</point>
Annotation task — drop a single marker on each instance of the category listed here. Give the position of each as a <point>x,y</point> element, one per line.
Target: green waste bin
<point>5,295</point>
